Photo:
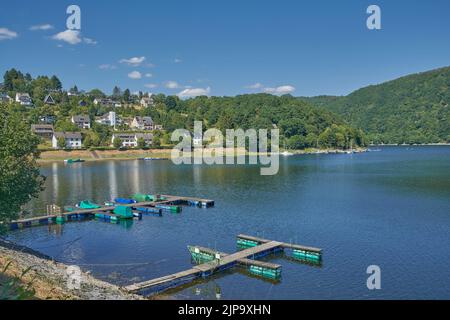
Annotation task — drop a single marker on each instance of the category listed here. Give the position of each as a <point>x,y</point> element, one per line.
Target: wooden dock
<point>206,269</point>
<point>244,262</point>
<point>283,244</point>
<point>88,213</point>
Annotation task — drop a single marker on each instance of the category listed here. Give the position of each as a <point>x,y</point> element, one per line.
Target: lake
<point>389,208</point>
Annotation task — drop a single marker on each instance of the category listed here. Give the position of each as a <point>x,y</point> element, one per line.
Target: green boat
<point>123,212</point>
<point>73,160</point>
<point>86,204</point>
<point>139,197</point>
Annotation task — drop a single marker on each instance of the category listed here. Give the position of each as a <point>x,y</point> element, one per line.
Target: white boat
<point>286,153</point>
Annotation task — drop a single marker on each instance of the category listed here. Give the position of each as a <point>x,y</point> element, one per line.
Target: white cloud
<point>177,60</point>
<point>69,36</point>
<point>41,27</point>
<point>135,61</point>
<point>107,67</point>
<point>172,85</point>
<point>280,90</point>
<point>6,34</point>
<point>90,41</point>
<point>194,92</point>
<point>148,75</point>
<point>256,85</point>
<point>135,75</point>
<point>151,85</point>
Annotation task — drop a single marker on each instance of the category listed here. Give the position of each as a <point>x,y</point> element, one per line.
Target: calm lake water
<point>388,208</point>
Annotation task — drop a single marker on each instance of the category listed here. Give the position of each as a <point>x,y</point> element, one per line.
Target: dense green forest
<point>411,109</point>
<point>301,124</point>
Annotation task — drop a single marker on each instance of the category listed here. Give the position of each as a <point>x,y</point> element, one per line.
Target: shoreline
<point>133,154</point>
<point>107,155</point>
<point>48,278</point>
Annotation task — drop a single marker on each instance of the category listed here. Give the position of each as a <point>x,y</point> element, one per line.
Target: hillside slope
<point>411,109</point>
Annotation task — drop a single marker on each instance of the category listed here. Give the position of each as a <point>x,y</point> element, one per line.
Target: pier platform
<point>79,214</point>
<point>219,261</point>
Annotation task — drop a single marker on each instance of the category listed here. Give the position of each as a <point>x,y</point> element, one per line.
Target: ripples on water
<point>389,208</point>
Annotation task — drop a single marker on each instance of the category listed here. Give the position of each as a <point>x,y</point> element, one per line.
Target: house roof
<point>81,118</point>
<point>4,96</point>
<point>124,135</point>
<point>148,121</point>
<point>68,135</point>
<point>20,95</point>
<point>41,127</point>
<point>146,136</point>
<point>49,99</point>
<point>23,97</point>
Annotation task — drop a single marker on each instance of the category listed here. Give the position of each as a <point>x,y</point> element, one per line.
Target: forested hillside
<point>411,109</point>
<point>301,124</point>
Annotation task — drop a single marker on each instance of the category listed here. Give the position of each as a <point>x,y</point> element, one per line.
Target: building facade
<point>82,121</point>
<point>44,131</point>
<point>73,140</point>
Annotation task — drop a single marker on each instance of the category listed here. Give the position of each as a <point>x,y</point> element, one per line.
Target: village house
<point>5,98</point>
<point>107,102</point>
<point>49,100</point>
<point>130,140</point>
<point>147,101</point>
<point>197,140</point>
<point>43,130</point>
<point>109,119</point>
<point>82,121</point>
<point>47,119</point>
<point>72,140</point>
<point>142,123</point>
<point>24,99</point>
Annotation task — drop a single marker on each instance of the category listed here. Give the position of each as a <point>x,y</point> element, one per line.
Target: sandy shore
<point>49,278</point>
<point>61,155</point>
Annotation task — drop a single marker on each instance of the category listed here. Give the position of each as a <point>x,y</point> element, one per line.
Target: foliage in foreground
<point>15,288</point>
<point>20,179</point>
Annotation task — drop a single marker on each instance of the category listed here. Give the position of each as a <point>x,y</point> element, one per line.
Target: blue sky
<point>226,47</point>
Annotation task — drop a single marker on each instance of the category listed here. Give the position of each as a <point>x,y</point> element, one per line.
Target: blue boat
<point>124,201</point>
<point>146,210</point>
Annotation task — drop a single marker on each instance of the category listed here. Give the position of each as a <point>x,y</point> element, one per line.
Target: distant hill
<point>411,109</point>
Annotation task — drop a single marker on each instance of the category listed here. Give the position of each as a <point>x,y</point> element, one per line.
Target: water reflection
<point>389,207</point>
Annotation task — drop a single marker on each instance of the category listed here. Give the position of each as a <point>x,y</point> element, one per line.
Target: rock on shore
<point>50,279</point>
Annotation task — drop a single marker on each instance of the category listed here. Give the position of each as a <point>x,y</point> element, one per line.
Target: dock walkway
<point>51,218</point>
<point>208,268</point>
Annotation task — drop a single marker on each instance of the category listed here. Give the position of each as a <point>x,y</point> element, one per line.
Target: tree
<point>61,142</point>
<point>66,125</point>
<point>117,143</point>
<point>56,83</point>
<point>156,142</point>
<point>116,92</point>
<point>297,142</point>
<point>97,93</point>
<point>74,89</point>
<point>87,141</point>
<point>141,143</point>
<point>20,179</point>
<point>126,95</point>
